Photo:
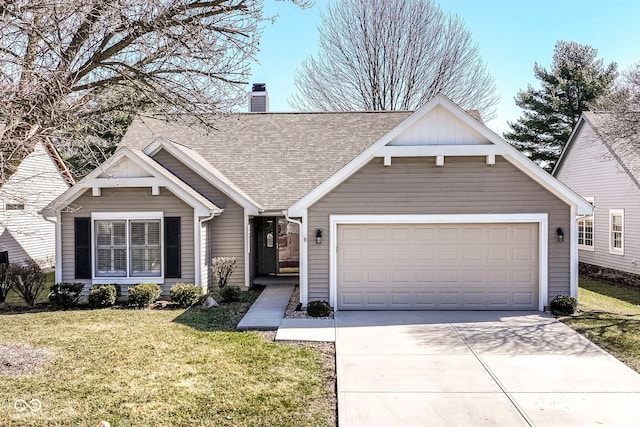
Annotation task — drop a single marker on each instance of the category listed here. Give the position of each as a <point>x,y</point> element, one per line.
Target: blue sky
<point>512,35</point>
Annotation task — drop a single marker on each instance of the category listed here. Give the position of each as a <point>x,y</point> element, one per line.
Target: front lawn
<point>160,368</point>
<point>610,317</point>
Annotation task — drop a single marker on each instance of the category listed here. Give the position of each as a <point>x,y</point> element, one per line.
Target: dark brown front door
<point>267,245</point>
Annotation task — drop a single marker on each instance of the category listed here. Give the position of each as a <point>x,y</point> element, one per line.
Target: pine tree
<point>576,79</point>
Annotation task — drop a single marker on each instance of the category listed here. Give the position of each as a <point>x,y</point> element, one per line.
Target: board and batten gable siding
<point>464,185</point>
<point>590,170</point>
<point>130,200</point>
<point>225,233</point>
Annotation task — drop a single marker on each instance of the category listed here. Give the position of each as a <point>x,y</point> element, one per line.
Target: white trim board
<point>541,219</point>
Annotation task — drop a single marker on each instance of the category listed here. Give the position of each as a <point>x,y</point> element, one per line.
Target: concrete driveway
<point>476,368</point>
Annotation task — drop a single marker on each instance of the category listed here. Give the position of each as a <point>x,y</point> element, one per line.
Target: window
<point>128,247</point>
<point>585,229</point>
<point>585,233</point>
<point>616,231</point>
<point>14,206</point>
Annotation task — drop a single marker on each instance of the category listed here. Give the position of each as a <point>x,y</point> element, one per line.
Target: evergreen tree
<point>576,79</point>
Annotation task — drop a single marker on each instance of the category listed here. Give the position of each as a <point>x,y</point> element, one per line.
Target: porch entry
<point>278,246</point>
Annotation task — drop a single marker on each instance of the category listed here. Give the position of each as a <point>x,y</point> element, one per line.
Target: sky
<point>512,36</point>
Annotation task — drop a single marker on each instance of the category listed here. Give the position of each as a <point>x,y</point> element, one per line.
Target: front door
<point>267,246</point>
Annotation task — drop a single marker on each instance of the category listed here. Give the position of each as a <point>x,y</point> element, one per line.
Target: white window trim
<point>126,216</point>
<point>591,248</point>
<point>541,219</point>
<point>612,213</point>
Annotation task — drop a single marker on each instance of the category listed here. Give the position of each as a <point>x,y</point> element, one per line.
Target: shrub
<point>65,295</point>
<point>561,304</point>
<point>101,296</point>
<point>318,309</point>
<point>185,295</point>
<point>230,293</point>
<point>5,283</point>
<point>222,268</point>
<point>144,294</point>
<point>27,280</point>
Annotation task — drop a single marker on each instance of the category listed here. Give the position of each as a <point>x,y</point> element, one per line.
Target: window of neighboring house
<point>14,206</point>
<point>585,229</point>
<point>616,231</point>
<point>128,247</point>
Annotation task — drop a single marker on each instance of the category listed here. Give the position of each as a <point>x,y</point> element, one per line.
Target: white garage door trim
<point>541,219</point>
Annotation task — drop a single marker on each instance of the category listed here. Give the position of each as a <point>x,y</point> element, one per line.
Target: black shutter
<point>82,239</point>
<point>172,255</point>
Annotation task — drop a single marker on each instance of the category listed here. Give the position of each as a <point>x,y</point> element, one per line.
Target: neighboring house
<point>601,162</point>
<point>38,179</point>
<point>374,210</point>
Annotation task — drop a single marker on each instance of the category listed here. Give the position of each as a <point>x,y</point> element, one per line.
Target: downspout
<point>303,258</point>
<point>199,255</point>
<point>58,245</point>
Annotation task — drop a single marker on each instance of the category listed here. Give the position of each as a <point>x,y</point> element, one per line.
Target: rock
<point>209,302</point>
<point>104,424</point>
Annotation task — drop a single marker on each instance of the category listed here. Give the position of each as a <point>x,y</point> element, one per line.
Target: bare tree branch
<point>393,55</point>
<point>59,59</point>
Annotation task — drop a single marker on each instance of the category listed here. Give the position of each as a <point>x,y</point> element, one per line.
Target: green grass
<point>161,367</point>
<point>610,317</point>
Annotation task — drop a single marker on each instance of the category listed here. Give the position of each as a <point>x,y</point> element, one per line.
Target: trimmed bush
<point>101,296</point>
<point>185,295</point>
<point>5,283</point>
<point>27,280</point>
<point>222,268</point>
<point>230,293</point>
<point>144,294</point>
<point>562,304</point>
<point>318,309</point>
<point>65,295</point>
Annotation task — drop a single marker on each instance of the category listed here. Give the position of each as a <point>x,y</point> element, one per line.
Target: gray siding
<point>225,232</point>
<point>464,185</point>
<point>130,200</point>
<point>253,255</point>
<point>590,170</point>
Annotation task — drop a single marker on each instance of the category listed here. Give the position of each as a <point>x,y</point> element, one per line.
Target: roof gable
<point>621,140</point>
<point>125,167</point>
<point>439,127</point>
<point>132,168</point>
<point>437,118</point>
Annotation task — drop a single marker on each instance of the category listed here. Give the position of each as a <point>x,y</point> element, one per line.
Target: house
<point>24,233</point>
<point>374,210</point>
<point>601,162</point>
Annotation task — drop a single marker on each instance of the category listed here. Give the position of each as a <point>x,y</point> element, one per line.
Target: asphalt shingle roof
<point>275,158</point>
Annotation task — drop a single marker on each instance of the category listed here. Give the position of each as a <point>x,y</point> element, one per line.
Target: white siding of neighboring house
<point>591,170</point>
<point>25,234</point>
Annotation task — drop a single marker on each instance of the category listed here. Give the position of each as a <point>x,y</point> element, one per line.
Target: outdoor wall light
<point>560,235</point>
<point>318,236</point>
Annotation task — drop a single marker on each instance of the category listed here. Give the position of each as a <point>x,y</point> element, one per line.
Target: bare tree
<point>59,57</point>
<point>620,108</point>
<point>393,55</point>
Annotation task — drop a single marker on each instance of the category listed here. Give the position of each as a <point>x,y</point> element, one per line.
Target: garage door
<point>437,266</point>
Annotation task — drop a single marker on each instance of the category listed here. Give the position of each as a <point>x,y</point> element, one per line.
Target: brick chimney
<point>259,99</point>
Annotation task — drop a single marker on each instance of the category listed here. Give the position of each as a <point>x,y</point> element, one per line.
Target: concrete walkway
<point>474,369</point>
<point>268,310</point>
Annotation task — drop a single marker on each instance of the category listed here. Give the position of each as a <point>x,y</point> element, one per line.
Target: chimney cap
<point>259,87</point>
